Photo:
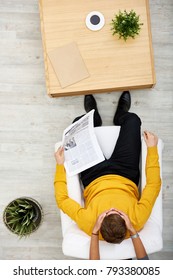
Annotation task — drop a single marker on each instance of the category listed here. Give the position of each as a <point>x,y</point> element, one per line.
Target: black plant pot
<point>38,214</point>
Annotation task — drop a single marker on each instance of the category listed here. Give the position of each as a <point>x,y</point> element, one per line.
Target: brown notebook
<point>68,64</point>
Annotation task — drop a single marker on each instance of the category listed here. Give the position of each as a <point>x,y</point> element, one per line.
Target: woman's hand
<point>128,223</point>
<point>100,219</point>
<point>150,138</point>
<point>98,223</point>
<point>59,156</point>
<point>125,217</point>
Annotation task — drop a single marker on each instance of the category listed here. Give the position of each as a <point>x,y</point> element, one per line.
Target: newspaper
<point>81,148</point>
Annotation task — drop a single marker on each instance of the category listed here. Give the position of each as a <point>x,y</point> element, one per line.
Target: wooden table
<point>113,64</point>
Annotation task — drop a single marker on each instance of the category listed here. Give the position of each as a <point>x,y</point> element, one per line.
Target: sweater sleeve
<point>152,188</point>
<point>64,202</point>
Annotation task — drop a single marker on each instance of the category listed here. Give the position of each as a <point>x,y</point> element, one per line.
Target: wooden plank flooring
<point>31,122</point>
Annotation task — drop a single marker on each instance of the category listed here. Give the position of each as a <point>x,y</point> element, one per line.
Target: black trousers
<point>124,160</point>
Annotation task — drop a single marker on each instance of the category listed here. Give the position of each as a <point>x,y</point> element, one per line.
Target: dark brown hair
<point>113,228</point>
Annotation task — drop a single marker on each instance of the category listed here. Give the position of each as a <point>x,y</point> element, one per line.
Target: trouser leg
<point>126,154</point>
<point>124,160</point>
<point>96,119</point>
<point>78,118</point>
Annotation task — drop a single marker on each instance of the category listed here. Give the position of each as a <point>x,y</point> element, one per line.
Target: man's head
<point>113,228</point>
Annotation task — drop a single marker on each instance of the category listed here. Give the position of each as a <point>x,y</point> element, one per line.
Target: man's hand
<point>59,156</point>
<point>150,138</point>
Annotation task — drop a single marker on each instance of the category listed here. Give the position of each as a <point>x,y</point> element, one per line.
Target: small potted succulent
<point>126,25</point>
<point>23,216</point>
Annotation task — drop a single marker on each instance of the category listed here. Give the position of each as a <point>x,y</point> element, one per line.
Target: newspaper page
<point>81,148</point>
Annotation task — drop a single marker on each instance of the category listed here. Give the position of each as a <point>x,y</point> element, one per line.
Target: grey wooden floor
<point>31,122</point>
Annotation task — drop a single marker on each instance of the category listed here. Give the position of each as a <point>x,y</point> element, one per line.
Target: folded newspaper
<point>81,148</point>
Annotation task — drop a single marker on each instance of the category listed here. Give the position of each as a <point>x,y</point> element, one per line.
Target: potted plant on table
<point>23,216</point>
<point>126,25</point>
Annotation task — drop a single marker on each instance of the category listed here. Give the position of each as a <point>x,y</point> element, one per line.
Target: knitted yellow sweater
<point>111,191</point>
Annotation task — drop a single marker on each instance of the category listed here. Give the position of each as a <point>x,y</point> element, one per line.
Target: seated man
<point>113,183</point>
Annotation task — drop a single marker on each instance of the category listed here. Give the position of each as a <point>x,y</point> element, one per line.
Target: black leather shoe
<point>124,104</point>
<point>90,104</point>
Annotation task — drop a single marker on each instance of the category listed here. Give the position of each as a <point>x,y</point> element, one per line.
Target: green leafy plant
<point>22,216</point>
<point>126,24</point>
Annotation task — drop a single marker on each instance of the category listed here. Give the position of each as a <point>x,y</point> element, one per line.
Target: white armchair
<point>76,243</point>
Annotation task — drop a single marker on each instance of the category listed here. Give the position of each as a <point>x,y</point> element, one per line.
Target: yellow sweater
<point>111,191</point>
